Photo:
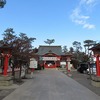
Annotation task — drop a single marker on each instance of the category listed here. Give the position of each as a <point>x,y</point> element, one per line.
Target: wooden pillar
<point>6,61</point>
<point>44,64</point>
<point>55,64</point>
<point>98,66</point>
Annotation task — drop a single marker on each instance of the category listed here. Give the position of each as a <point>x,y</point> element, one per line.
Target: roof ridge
<point>50,46</point>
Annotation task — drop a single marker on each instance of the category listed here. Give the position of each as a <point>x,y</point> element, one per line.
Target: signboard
<point>50,58</point>
<point>33,63</point>
<point>62,63</point>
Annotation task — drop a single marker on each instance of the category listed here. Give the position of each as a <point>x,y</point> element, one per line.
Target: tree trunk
<point>89,70</point>
<point>20,66</point>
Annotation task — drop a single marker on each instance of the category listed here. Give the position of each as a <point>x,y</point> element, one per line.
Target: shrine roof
<point>49,49</point>
<point>96,47</point>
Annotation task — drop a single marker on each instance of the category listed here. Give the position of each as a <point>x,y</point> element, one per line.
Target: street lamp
<point>2,3</point>
<point>6,54</point>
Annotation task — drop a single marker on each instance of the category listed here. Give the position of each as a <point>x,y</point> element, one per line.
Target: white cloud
<point>76,14</point>
<point>84,17</point>
<point>79,17</point>
<point>89,26</point>
<point>88,2</point>
<point>80,22</point>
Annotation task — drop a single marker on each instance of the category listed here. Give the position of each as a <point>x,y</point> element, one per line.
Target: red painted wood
<point>98,66</point>
<point>6,65</point>
<point>51,66</point>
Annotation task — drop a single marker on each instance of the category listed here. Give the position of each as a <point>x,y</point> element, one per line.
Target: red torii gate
<point>96,51</point>
<point>6,54</point>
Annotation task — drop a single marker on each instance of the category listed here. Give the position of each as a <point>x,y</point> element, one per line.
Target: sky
<point>65,21</point>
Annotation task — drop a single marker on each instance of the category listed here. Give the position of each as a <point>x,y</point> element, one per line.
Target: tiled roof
<point>49,49</point>
<point>96,47</point>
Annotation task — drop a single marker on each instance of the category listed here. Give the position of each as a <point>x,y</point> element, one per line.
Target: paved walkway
<point>85,80</point>
<point>52,85</point>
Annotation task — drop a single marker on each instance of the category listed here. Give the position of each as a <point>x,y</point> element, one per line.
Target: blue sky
<point>65,21</point>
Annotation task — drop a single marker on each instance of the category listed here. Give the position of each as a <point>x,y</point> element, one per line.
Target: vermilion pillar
<point>98,65</point>
<point>55,65</point>
<point>6,61</point>
<point>44,63</point>
<point>32,69</point>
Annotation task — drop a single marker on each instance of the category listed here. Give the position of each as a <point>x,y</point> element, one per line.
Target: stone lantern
<point>2,3</point>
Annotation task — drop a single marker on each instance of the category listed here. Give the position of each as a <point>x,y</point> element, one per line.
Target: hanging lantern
<point>2,3</point>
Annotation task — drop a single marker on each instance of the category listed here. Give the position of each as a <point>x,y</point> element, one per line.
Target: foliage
<point>81,58</point>
<point>21,46</point>
<point>78,55</point>
<point>49,41</point>
<point>9,36</point>
<point>2,3</point>
<point>35,50</point>
<point>88,44</point>
<point>65,50</point>
<point>71,49</point>
<point>77,45</point>
<point>75,63</point>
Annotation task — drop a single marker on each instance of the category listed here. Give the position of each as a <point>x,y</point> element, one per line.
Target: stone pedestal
<point>95,81</point>
<point>29,76</point>
<point>6,80</point>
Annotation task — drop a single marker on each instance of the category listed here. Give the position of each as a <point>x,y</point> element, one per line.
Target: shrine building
<point>52,57</point>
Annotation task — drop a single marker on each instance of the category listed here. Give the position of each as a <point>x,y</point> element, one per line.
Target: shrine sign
<point>50,58</point>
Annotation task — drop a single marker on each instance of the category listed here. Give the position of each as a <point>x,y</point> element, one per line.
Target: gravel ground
<point>84,80</point>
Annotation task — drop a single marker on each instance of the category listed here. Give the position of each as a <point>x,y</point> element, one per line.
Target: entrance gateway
<point>52,56</point>
<point>50,62</point>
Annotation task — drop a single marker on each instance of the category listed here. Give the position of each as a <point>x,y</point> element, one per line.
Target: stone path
<point>52,85</point>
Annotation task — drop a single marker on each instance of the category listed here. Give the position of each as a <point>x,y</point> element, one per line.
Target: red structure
<point>96,51</point>
<point>52,56</point>
<point>6,54</point>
